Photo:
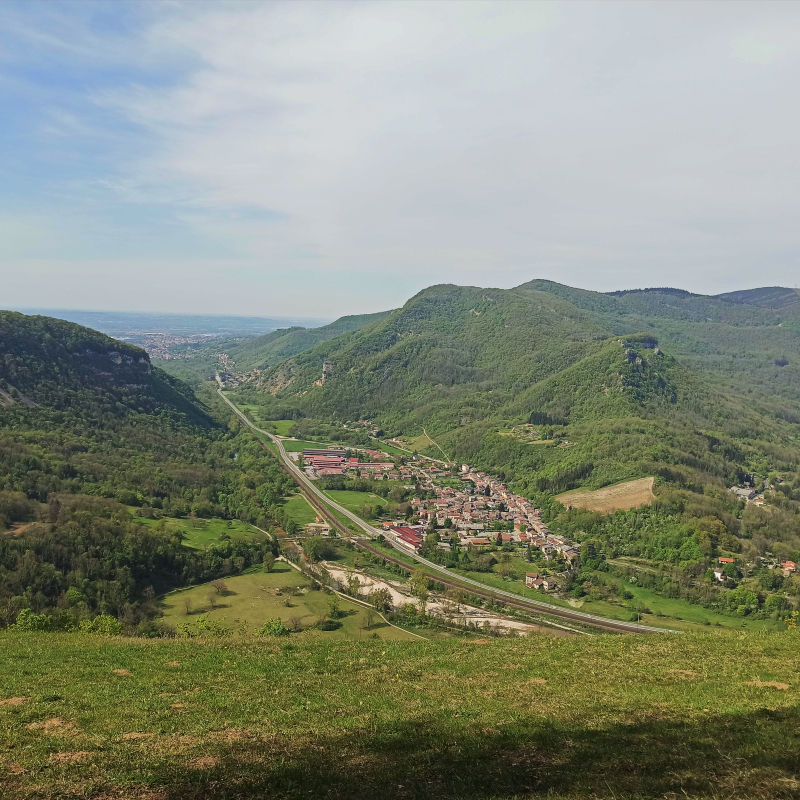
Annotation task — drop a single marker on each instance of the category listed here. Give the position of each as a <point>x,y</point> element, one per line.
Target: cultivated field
<point>622,496</point>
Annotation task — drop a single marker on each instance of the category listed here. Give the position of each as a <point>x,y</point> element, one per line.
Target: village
<point>483,514</point>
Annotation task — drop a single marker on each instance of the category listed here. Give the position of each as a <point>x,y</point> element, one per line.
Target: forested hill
<point>262,352</point>
<point>56,365</point>
<point>88,431</point>
<point>745,343</point>
<point>625,380</point>
<point>266,351</point>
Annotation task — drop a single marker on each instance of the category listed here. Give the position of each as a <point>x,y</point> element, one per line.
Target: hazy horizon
<point>317,160</point>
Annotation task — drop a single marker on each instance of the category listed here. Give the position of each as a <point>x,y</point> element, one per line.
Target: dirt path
<point>401,596</point>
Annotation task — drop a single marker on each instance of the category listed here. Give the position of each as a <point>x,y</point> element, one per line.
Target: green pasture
<point>281,426</point>
<point>676,613</point>
<point>200,533</point>
<point>354,501</point>
<point>295,446</point>
<point>299,510</point>
<point>251,600</point>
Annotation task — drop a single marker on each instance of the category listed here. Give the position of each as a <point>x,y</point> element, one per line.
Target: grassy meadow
<point>299,510</point>
<point>355,501</point>
<point>699,715</point>
<point>202,532</point>
<point>255,597</point>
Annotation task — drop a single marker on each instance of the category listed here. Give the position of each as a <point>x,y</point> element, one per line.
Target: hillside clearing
<point>620,497</point>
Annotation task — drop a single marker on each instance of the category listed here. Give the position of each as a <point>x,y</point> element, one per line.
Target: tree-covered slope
<point>88,429</point>
<point>448,344</point>
<point>653,369</point>
<point>261,352</point>
<point>54,364</point>
<point>265,351</point>
<point>746,342</point>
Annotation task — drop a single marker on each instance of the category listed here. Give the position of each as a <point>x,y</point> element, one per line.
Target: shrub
<point>29,622</point>
<point>103,625</point>
<point>273,627</point>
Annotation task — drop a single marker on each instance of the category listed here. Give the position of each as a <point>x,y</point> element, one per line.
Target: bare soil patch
<point>538,681</point>
<point>121,672</point>
<point>17,769</point>
<point>137,735</point>
<point>685,674</point>
<point>623,496</point>
<point>75,757</point>
<point>772,684</point>
<point>55,726</point>
<point>173,663</point>
<point>13,701</point>
<point>204,762</point>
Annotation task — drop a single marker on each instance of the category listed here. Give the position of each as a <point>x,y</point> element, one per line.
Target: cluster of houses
<point>471,513</point>
<point>787,567</point>
<point>334,461</point>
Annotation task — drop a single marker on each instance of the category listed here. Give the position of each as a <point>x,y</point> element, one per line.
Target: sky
<point>319,159</point>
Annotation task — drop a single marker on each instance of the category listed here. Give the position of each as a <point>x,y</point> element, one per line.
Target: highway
<point>558,611</point>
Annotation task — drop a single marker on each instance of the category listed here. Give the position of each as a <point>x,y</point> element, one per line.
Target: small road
<point>556,611</point>
<point>447,460</point>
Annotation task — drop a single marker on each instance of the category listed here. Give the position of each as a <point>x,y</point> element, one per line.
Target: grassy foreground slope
<point>622,717</point>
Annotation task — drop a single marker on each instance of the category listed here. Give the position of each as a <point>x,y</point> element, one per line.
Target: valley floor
<point>698,715</point>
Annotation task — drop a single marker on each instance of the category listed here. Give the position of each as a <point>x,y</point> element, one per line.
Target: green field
<point>202,532</point>
<point>376,444</point>
<point>299,510</point>
<point>313,717</point>
<point>281,426</point>
<point>292,446</point>
<point>355,501</point>
<point>249,602</point>
<point>676,613</point>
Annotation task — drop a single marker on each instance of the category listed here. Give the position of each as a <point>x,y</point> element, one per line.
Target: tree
<point>459,597</point>
<point>381,599</point>
<point>269,562</point>
<point>333,603</point>
<point>368,618</point>
<point>220,586</point>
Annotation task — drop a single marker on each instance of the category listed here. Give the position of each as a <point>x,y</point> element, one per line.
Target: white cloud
<point>396,144</point>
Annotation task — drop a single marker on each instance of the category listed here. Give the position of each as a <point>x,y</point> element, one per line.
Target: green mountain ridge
<point>265,351</point>
<point>465,361</point>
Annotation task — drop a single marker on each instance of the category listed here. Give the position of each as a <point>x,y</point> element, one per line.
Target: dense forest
<point>88,431</point>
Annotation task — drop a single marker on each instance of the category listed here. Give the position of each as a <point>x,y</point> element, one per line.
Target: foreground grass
<point>602,717</point>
